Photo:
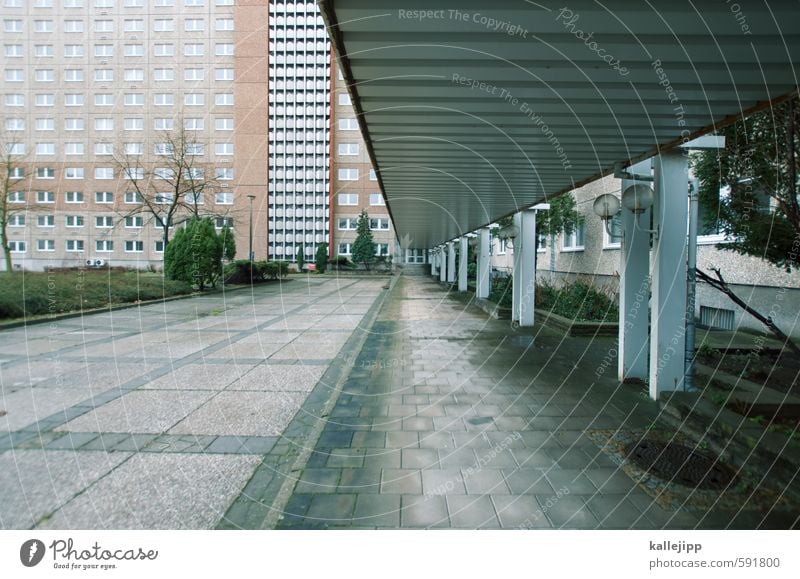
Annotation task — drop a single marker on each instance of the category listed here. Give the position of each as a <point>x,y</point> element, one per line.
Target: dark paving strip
<point>11,439</point>
<point>264,498</point>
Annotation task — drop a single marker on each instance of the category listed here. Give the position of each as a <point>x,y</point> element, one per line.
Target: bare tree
<point>14,201</point>
<point>173,186</point>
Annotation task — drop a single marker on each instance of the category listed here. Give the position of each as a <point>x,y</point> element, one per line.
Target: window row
<point>129,74</point>
<point>375,224</point>
<point>375,199</point>
<point>110,3</point>
<point>107,50</point>
<point>78,245</point>
<point>346,249</point>
<point>129,99</point>
<point>130,124</point>
<point>349,174</point>
<point>79,148</point>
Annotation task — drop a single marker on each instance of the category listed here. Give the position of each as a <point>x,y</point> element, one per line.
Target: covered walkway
<point>448,419</point>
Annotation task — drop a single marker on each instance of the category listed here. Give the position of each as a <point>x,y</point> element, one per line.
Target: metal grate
<point>681,465</point>
<point>717,318</point>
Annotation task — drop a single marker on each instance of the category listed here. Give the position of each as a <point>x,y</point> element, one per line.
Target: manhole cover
<point>680,464</point>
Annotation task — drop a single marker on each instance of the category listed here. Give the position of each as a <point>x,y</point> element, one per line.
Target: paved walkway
<point>159,416</point>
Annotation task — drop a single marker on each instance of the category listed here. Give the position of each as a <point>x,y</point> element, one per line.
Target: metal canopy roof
<point>472,110</point>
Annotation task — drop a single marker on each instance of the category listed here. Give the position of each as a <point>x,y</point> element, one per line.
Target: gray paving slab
<point>199,376</point>
<point>280,378</point>
<point>28,406</point>
<point>159,491</point>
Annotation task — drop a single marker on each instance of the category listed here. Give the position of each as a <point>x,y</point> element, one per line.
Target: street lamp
<point>250,253</point>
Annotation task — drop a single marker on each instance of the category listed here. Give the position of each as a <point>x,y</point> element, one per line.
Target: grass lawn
<point>33,294</point>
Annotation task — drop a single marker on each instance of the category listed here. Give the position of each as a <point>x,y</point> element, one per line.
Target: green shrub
<point>578,300</point>
<point>472,270</point>
<point>500,291</point>
<point>195,254</point>
<point>341,261</point>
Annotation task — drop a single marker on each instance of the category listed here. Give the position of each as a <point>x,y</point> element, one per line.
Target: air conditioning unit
<point>90,262</point>
<point>99,262</point>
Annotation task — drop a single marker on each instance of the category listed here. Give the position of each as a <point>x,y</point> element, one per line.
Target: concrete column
<point>516,286</point>
<point>634,285</point>
<point>442,265</point>
<point>463,259</point>
<point>451,262</point>
<point>484,264</point>
<point>668,317</point>
<point>432,260</point>
<point>526,242</point>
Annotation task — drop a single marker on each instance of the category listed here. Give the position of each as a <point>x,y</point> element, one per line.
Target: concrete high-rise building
<point>88,84</point>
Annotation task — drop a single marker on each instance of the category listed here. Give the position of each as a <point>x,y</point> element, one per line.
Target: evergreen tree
<point>364,246</point>
<point>228,244</point>
<point>301,259</point>
<point>321,257</point>
<point>195,254</point>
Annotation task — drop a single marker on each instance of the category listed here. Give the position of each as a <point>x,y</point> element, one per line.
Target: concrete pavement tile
<point>423,512</point>
<point>159,491</point>
<point>280,378</point>
<point>519,512</point>
<point>567,512</point>
<point>332,508</point>
<point>377,510</point>
<point>401,481</point>
<point>28,406</point>
<point>199,376</point>
<point>472,512</point>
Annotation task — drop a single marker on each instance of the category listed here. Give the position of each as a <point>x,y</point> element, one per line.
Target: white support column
<point>484,264</point>
<point>451,262</point>
<point>526,240</point>
<point>516,286</point>
<point>432,260</point>
<point>634,285</point>
<point>463,258</point>
<point>442,265</point>
<point>668,317</point>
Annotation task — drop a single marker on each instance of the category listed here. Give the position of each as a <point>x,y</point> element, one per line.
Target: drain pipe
<point>691,286</point>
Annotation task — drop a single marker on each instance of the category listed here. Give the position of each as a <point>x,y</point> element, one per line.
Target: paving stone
<point>617,512</point>
<point>331,508</point>
<point>527,481</point>
<point>346,457</point>
<point>360,480</point>
<point>369,440</point>
<point>460,457</point>
<point>520,512</point>
<point>402,440</point>
<point>567,512</point>
<point>485,481</point>
<point>377,510</point>
<point>388,458</point>
<point>318,480</point>
<point>424,512</point>
<point>422,458</point>
<point>401,481</point>
<point>472,512</point>
<point>437,482</point>
<point>573,481</point>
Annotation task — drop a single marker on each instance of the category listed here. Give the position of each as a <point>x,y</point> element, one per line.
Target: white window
<point>104,75</point>
<point>15,124</point>
<point>46,197</point>
<point>193,124</point>
<point>16,196</point>
<point>104,197</point>
<point>134,173</point>
<point>163,173</point>
<point>104,124</point>
<point>45,220</point>
<point>45,100</point>
<point>163,3</point>
<point>104,99</point>
<point>163,149</point>
<point>74,173</point>
<point>73,75</point>
<point>379,224</point>
<point>134,148</point>
<point>16,173</point>
<point>104,245</point>
<point>74,221</point>
<point>72,124</point>
<point>220,222</point>
<point>132,198</point>
<point>223,49</point>
<point>43,25</point>
<point>165,49</point>
<point>348,174</point>
<point>195,149</point>
<point>223,149</point>
<point>194,49</point>
<point>74,245</point>
<point>12,25</point>
<point>73,25</point>
<point>134,50</point>
<point>347,124</point>
<point>348,149</point>
<point>73,50</point>
<point>574,241</point>
<point>222,74</point>
<point>224,99</point>
<point>43,50</point>
<point>45,148</point>
<point>195,173</point>
<point>224,124</point>
<point>347,224</point>
<point>134,221</point>
<point>613,241</point>
<point>163,124</point>
<point>74,149</point>
<point>134,75</point>
<point>193,2</point>
<point>45,124</point>
<point>16,220</point>
<point>348,198</point>
<point>223,198</point>
<point>103,3</point>
<point>134,124</point>
<point>134,3</point>
<point>43,3</point>
<point>134,246</point>
<point>158,246</point>
<point>223,24</point>
<point>103,149</point>
<point>134,25</point>
<point>104,173</point>
<point>376,199</point>
<point>344,98</point>
<point>16,75</point>
<point>163,99</point>
<point>194,74</point>
<point>74,100</point>
<point>15,148</point>
<point>16,100</point>
<point>344,249</point>
<point>163,74</point>
<point>17,246</point>
<point>45,75</point>
<point>45,173</point>
<point>103,26</point>
<point>194,24</point>
<point>224,173</point>
<point>13,50</point>
<point>103,50</point>
<point>164,198</point>
<point>223,2</point>
<point>194,99</point>
<point>46,244</point>
<point>372,175</point>
<point>133,99</point>
<point>164,25</point>
<point>103,221</point>
<point>502,246</point>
